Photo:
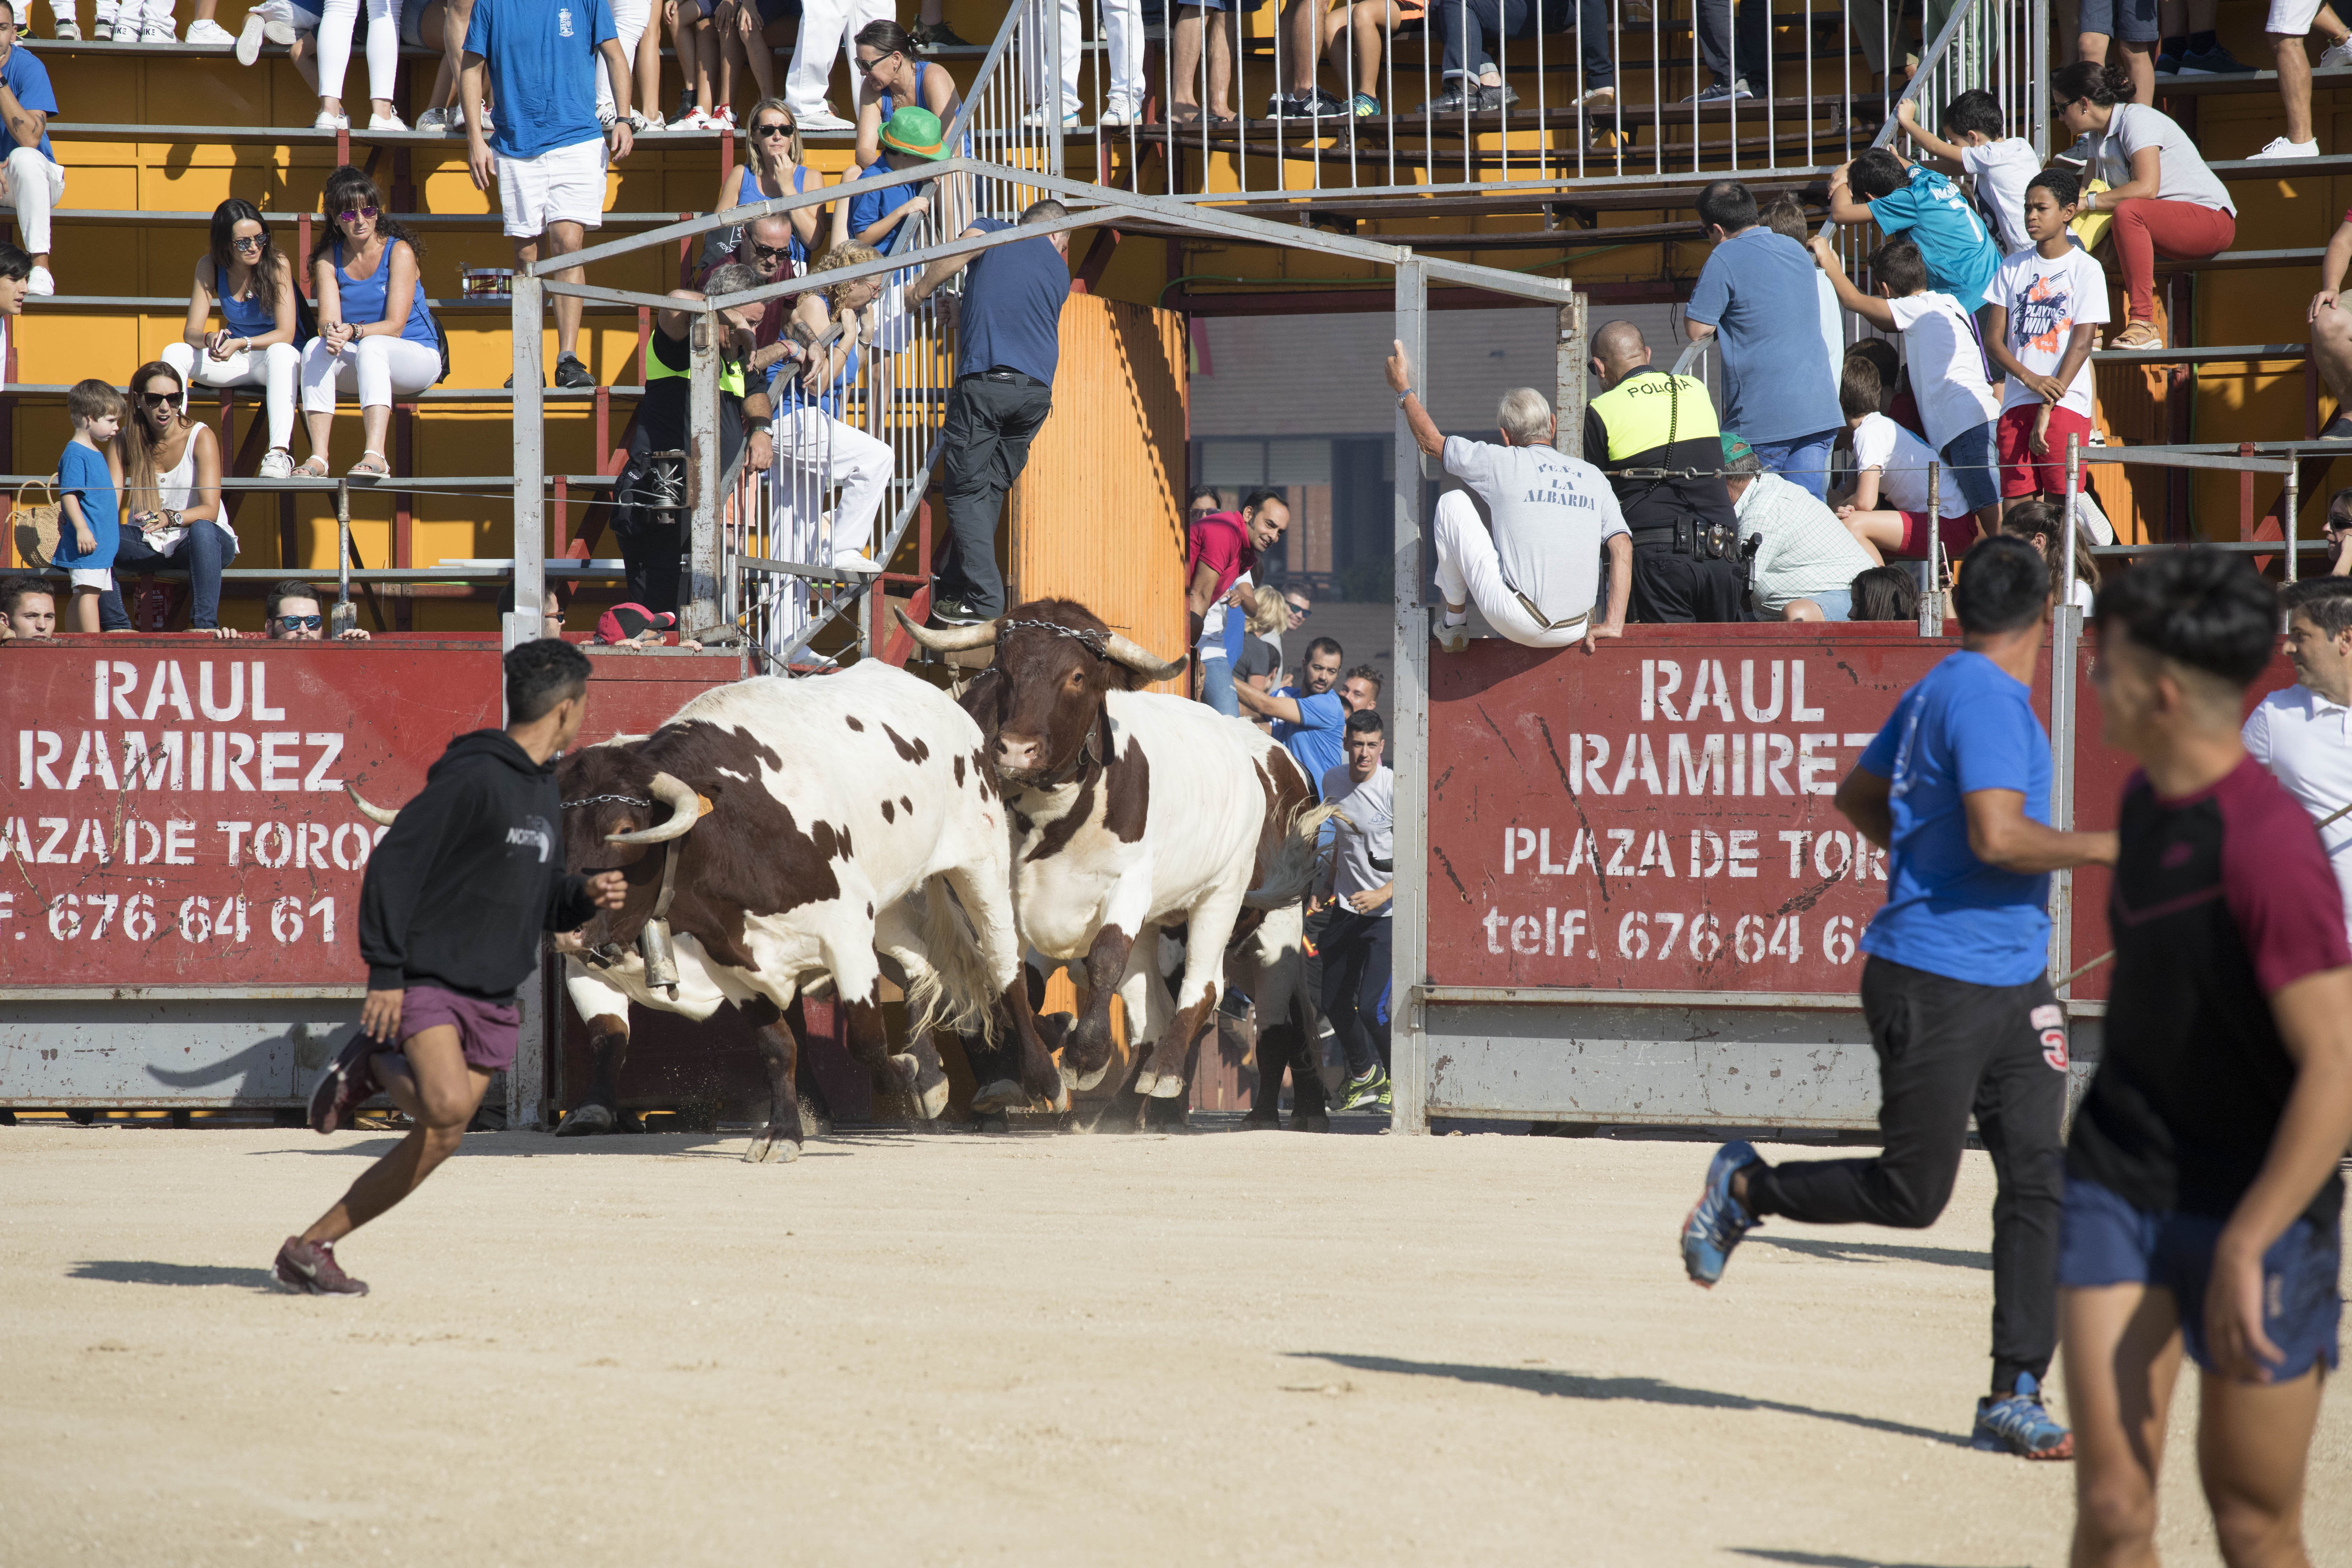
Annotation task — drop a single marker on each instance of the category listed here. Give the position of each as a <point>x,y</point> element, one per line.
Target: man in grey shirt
<point>1355,942</point>
<point>1536,576</point>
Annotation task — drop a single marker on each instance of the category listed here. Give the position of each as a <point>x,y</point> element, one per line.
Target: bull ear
<point>955,641</point>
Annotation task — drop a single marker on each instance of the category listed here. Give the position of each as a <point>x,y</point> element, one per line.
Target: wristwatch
<point>1403,395</point>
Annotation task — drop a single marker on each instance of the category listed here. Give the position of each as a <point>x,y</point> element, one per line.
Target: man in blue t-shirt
<point>1902,197</point>
<point>1310,717</point>
<point>1008,344</point>
<point>37,183</point>
<point>547,156</point>
<point>1956,788</point>
<point>1758,296</point>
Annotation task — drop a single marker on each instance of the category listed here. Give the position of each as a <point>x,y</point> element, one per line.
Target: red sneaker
<point>309,1268</point>
<point>348,1081</point>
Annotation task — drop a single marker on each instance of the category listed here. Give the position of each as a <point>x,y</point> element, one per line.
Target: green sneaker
<point>1364,1093</point>
<point>1384,1101</point>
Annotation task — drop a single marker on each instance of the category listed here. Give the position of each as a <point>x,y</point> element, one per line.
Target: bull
<point>1133,812</point>
<point>787,832</point>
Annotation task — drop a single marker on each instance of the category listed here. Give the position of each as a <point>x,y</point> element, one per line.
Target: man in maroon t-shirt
<point>2202,1200</point>
<point>1218,548</point>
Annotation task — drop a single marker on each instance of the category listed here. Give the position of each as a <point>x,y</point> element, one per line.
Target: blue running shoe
<point>1717,1221</point>
<point>2018,1424</point>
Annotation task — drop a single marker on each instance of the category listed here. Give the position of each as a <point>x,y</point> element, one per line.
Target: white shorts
<point>99,579</point>
<point>2292,18</point>
<point>562,185</point>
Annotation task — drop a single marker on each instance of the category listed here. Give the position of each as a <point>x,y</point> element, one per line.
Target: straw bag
<point>36,526</point>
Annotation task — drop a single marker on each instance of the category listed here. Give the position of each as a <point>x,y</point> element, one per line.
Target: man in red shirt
<point>1219,548</point>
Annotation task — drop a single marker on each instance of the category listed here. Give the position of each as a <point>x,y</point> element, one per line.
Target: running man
<point>450,917</point>
<point>2202,1198</point>
<point>2304,733</point>
<point>1956,787</point>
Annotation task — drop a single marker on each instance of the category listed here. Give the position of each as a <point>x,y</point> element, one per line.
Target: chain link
<point>603,799</point>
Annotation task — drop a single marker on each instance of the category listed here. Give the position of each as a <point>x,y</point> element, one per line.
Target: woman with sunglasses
<point>770,168</point>
<point>171,499</point>
<point>891,77</point>
<point>376,335</point>
<point>251,282</point>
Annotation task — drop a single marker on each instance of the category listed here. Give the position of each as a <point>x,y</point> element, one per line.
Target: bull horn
<point>684,810</point>
<point>374,814</point>
<point>956,641</point>
<point>1138,659</point>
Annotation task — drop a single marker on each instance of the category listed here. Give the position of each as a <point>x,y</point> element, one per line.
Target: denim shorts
<point>2102,1239</point>
<point>1972,463</point>
<point>2132,21</point>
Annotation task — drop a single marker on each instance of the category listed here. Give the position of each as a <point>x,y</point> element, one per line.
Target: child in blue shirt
<point>89,522</point>
<point>1902,197</point>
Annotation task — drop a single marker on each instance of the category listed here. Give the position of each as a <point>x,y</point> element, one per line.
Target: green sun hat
<point>915,133</point>
<point>1735,447</point>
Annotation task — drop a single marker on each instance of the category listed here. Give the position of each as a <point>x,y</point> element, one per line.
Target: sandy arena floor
<point>1211,1346</point>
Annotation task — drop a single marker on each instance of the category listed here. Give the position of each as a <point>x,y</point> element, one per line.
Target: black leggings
<point>1355,972</point>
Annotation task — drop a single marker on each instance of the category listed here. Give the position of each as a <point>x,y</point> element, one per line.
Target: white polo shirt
<point>2306,741</point>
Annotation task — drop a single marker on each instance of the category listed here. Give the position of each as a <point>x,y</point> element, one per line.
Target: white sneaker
<point>1115,115</point>
<point>163,35</point>
<point>387,123</point>
<point>856,561</point>
<point>40,282</point>
<point>639,124</point>
<point>327,121</point>
<point>434,122</point>
<point>206,31</point>
<point>489,124</point>
<point>2336,55</point>
<point>67,28</point>
<point>277,463</point>
<point>697,121</point>
<point>726,116</point>
<point>101,31</point>
<point>604,117</point>
<point>2280,147</point>
<point>824,119</point>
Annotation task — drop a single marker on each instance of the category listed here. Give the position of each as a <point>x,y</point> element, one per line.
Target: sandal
<point>371,466</point>
<point>314,467</point>
<point>2137,336</point>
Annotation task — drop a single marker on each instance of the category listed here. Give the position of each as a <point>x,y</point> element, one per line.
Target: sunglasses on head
<point>356,213</point>
<point>305,623</point>
<point>769,252</point>
<point>773,128</point>
<point>249,241</point>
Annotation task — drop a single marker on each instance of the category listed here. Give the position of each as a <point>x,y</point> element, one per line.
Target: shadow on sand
<point>129,1271</point>
<point>1820,1559</point>
<point>1875,1251</point>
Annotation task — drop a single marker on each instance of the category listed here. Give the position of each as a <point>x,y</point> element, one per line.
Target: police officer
<point>1686,564</point>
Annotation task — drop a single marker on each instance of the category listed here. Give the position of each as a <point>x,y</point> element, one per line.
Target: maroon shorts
<point>486,1029</point>
<point>2024,471</point>
<point>1959,533</point>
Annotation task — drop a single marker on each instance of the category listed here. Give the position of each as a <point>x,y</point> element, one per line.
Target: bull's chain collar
<point>606,799</point>
<point>1096,641</point>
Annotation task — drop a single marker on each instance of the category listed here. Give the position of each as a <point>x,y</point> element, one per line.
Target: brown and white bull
<point>821,828</point>
<point>1133,811</point>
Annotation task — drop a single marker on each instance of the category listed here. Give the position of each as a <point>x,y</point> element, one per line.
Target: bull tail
<point>953,990</point>
<point>1292,872</point>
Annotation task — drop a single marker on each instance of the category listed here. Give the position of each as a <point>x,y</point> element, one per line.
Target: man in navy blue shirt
<point>1956,787</point>
<point>547,155</point>
<point>1008,344</point>
<point>35,181</point>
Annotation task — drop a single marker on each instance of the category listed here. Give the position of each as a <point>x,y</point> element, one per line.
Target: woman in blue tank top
<point>894,78</point>
<point>250,281</point>
<point>772,168</point>
<point>816,450</point>
<point>376,335</point>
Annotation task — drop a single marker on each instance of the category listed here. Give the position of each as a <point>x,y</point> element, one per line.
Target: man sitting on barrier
<point>1535,576</point>
<point>1655,437</point>
<point>1806,558</point>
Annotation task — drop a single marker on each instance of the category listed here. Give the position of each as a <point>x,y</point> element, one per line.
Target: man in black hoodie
<point>450,916</point>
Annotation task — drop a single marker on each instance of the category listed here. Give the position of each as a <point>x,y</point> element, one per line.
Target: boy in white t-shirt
<point>2000,165</point>
<point>1886,511</point>
<point>2047,305</point>
<point>1947,373</point>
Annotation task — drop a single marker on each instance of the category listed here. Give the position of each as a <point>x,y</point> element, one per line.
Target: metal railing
<point>2003,50</point>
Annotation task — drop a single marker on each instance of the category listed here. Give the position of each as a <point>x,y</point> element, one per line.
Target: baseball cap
<point>1736,446</point>
<point>622,622</point>
<point>915,132</point>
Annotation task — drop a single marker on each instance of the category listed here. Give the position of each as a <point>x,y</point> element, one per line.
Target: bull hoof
<point>1002,1095</point>
<point>1059,1100</point>
<point>931,1101</point>
<point>769,1146</point>
<point>585,1121</point>
<point>991,1121</point>
<point>1167,1086</point>
<point>1086,1080</point>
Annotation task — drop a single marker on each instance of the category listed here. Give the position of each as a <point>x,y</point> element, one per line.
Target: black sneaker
<point>938,35</point>
<point>1721,92</point>
<point>949,613</point>
<point>1493,98</point>
<point>571,372</point>
<point>1452,101</point>
<point>2215,61</point>
<point>1364,1093</point>
<point>2168,61</point>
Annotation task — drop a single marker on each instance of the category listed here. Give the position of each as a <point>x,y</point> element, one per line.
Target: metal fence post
<point>2064,636</point>
<point>703,478</point>
<point>1568,394</point>
<point>527,1078</point>
<point>1408,1048</point>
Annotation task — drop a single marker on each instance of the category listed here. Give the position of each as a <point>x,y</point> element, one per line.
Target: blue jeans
<point>1802,460</point>
<point>1972,465</point>
<point>1217,687</point>
<point>202,554</point>
<point>1837,603</point>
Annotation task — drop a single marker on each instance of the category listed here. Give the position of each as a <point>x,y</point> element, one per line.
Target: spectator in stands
<point>826,25</point>
<point>1355,943</point>
<point>2132,24</point>
<point>1738,48</point>
<point>1757,298</point>
<point>891,77</point>
<point>883,216</point>
<point>2191,46</point>
<point>551,609</point>
<point>15,282</point>
<point>171,499</point>
<point>2331,330</point>
<point>1354,36</point>
<point>2165,200</point>
<point>649,499</point>
<point>1785,215</point>
<point>377,337</point>
<point>1871,26</point>
<point>626,628</point>
<point>2001,165</point>
<point>439,26</point>
<point>1947,369</point>
<point>1902,197</point>
<point>35,181</point>
<point>550,159</point>
<point>816,450</point>
<point>1201,501</point>
<point>251,282</point>
<point>1675,561</point>
<point>772,168</point>
<point>1297,605</point>
<point>1806,554</point>
<point>295,611</point>
<point>1473,81</point>
<point>2290,21</point>
<point>2043,521</point>
<point>740,37</point>
<point>1360,688</point>
<point>2300,734</point>
<point>1886,510</point>
<point>1207,22</point>
<point>28,610</point>
<point>1309,714</point>
<point>2047,304</point>
<point>632,21</point>
<point>1221,552</point>
<point>1008,344</point>
<point>1884,594</point>
<point>1900,406</point>
<point>337,21</point>
<point>89,483</point>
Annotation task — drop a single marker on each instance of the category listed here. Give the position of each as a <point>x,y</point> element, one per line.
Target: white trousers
<point>629,19</point>
<point>1120,78</point>
<point>130,19</point>
<point>816,452</point>
<point>376,368</point>
<point>826,28</point>
<point>337,21</point>
<point>274,369</point>
<point>36,185</point>
<point>1467,562</point>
